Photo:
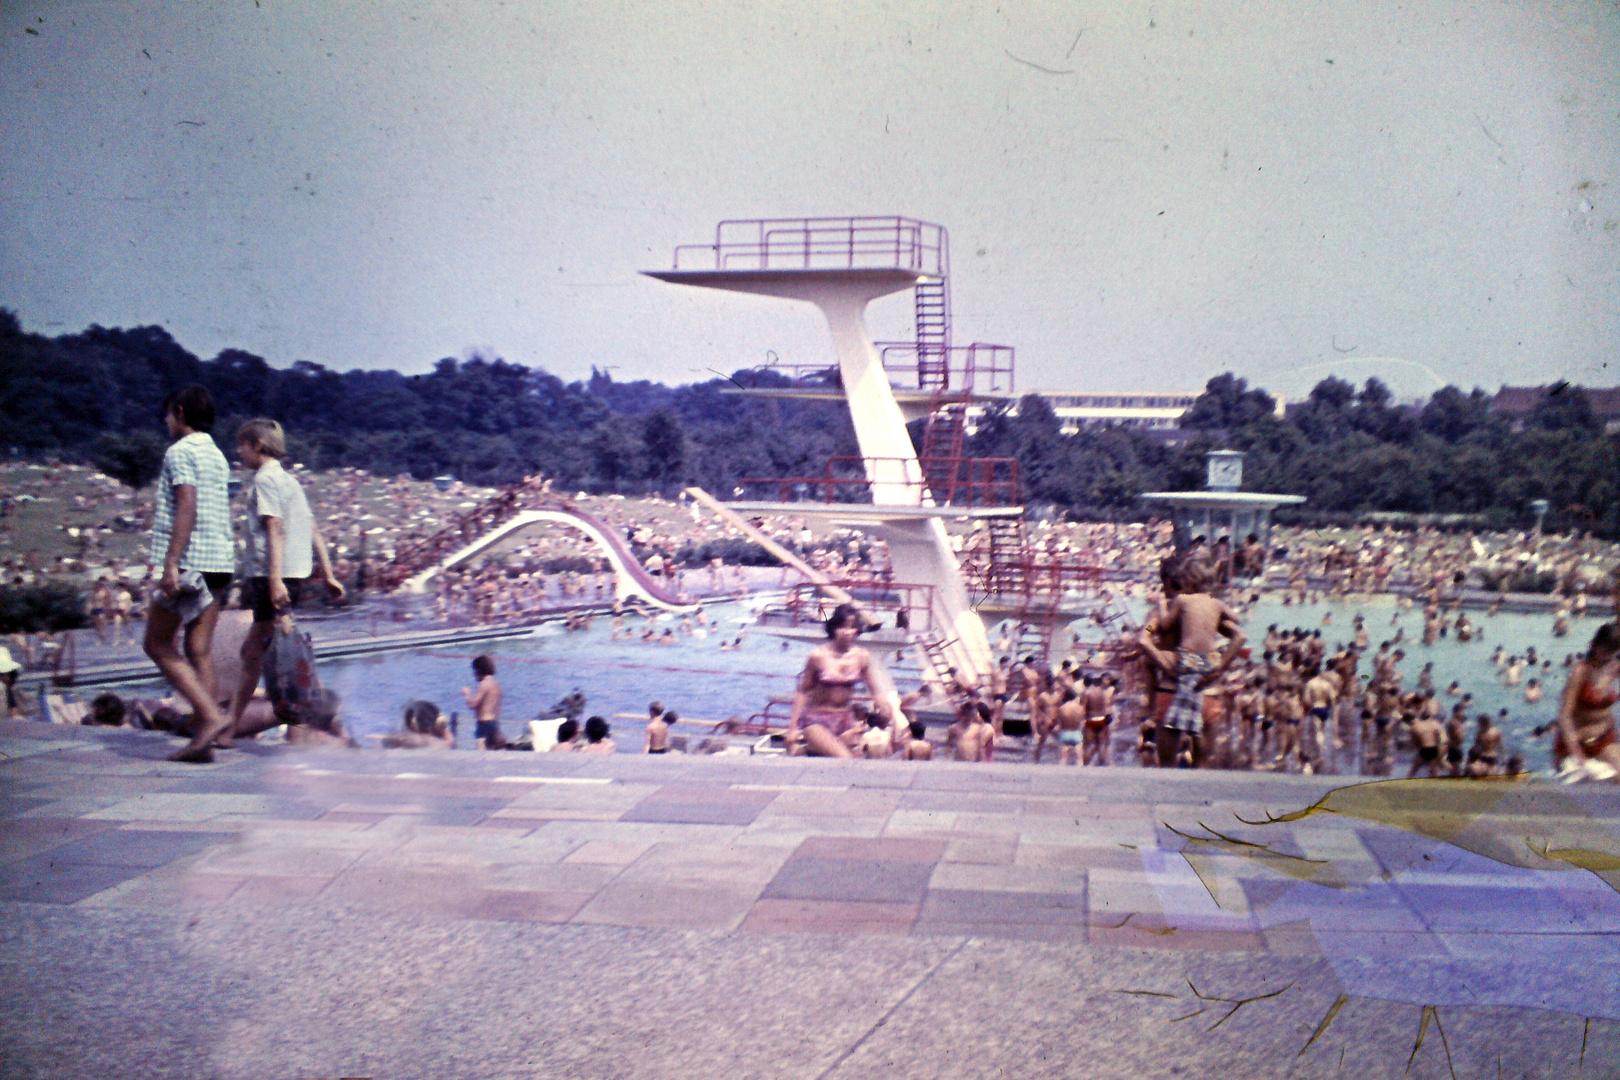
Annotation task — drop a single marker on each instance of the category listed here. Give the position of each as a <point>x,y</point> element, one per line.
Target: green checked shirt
<point>196,461</point>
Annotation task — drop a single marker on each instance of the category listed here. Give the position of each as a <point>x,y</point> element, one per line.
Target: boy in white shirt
<point>282,539</point>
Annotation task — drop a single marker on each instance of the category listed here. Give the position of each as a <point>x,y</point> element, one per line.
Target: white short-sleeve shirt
<point>274,493</point>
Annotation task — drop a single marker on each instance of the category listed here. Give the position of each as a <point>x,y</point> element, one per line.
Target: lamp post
<point>1539,507</point>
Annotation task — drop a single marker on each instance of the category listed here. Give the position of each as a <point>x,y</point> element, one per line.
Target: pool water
<point>700,682</point>
<point>1468,664</point>
<point>692,677</point>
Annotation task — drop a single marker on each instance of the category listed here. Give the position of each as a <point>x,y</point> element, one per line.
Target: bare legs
<point>191,673</point>
<point>253,648</point>
<point>820,742</point>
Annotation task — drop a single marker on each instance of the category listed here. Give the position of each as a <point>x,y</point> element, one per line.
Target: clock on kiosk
<point>1225,470</point>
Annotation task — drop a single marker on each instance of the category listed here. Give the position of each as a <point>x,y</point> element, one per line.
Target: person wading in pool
<point>821,706</point>
<point>485,702</point>
<point>1586,727</point>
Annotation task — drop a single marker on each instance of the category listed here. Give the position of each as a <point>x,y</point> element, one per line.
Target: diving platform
<point>841,265</point>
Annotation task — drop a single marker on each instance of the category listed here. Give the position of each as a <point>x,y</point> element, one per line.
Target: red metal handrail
<point>807,602</point>
<point>965,367</point>
<point>950,481</point>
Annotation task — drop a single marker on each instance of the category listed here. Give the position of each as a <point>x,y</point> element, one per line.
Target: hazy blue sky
<point>1140,195</point>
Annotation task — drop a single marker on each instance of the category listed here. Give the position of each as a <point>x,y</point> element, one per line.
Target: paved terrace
<point>370,914</point>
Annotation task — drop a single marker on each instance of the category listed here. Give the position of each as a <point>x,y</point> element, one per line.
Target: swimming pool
<point>700,682</point>
<point>693,677</point>
<point>1468,664</point>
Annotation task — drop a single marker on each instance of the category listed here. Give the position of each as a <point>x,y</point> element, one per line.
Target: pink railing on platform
<point>832,243</point>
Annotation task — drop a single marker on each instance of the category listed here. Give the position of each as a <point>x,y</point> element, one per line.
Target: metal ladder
<point>933,309</point>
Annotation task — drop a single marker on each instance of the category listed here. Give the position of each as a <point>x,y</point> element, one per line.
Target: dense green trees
<point>97,395</point>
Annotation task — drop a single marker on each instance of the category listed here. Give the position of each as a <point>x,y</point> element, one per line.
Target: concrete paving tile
<point>461,811</point>
<point>887,775</point>
<point>540,814</point>
<point>181,807</point>
<point>996,852</point>
<point>634,832</point>
<point>607,853</point>
<point>79,807</point>
<point>636,903</point>
<point>404,893</point>
<point>1371,944</point>
<point>140,848</point>
<point>1571,950</point>
<point>1098,810</point>
<point>757,835</point>
<point>883,849</point>
<point>961,802</point>
<point>168,888</point>
<point>813,825</point>
<point>1148,931</point>
<point>27,836</point>
<point>520,827</point>
<point>1059,934</point>
<point>1047,806</point>
<point>1291,939</point>
<point>547,877</point>
<point>1010,878</point>
<point>692,813</point>
<point>40,880</point>
<point>277,891</point>
<point>608,797</point>
<point>252,823</point>
<point>977,906</point>
<point>1464,908</point>
<point>850,879</point>
<point>379,809</point>
<point>1076,856</point>
<point>829,917</point>
<point>506,905</point>
<point>1371,910</point>
<point>925,824</point>
<point>359,821</point>
<point>954,776</point>
<point>1116,892</point>
<point>1087,833</point>
<point>95,785</point>
<point>973,822</point>
<point>286,854</point>
<point>696,863</point>
<point>856,802</point>
<point>1592,910</point>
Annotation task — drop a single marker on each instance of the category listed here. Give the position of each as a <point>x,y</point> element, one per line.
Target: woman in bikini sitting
<point>1586,728</point>
<point>821,706</point>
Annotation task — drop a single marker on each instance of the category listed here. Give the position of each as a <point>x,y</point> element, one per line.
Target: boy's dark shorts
<point>256,595</point>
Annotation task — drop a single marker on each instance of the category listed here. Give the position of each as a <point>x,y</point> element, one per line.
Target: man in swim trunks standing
<point>1200,620</point>
<point>485,702</point>
<point>1067,717</point>
<point>1320,692</point>
<point>1098,705</point>
<point>1428,739</point>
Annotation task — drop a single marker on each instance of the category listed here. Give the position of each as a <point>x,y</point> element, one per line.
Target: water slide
<point>631,580</point>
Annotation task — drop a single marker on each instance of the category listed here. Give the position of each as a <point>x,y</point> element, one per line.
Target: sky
<point>1140,195</point>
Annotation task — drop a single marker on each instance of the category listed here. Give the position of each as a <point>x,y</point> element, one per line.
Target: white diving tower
<point>841,265</point>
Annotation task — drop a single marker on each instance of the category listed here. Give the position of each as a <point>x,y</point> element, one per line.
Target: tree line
<point>96,396</point>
